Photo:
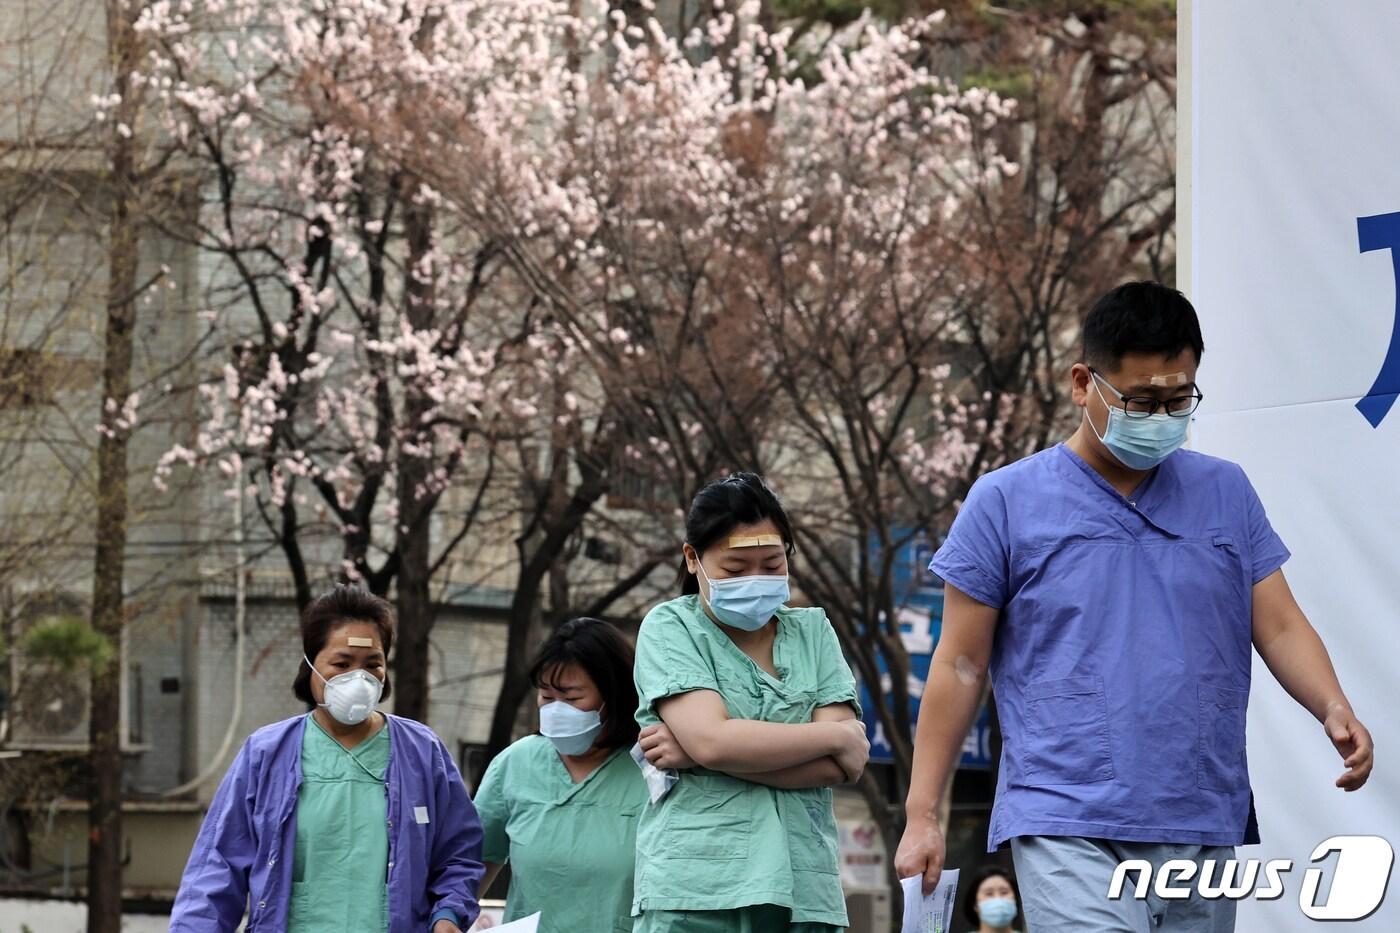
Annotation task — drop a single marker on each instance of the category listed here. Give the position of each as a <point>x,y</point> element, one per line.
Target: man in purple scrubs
<point>1113,586</point>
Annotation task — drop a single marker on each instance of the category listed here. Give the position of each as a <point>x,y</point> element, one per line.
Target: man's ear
<point>1080,379</point>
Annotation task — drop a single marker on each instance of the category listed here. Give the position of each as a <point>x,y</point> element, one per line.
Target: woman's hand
<point>854,749</point>
<point>446,926</point>
<point>662,749</point>
<point>484,922</point>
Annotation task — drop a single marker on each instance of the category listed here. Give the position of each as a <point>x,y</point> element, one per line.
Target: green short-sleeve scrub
<point>570,846</point>
<point>719,843</point>
<point>341,855</point>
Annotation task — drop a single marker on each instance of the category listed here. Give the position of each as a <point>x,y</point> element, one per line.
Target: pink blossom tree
<point>761,265</point>
<point>367,375</point>
<point>391,391</point>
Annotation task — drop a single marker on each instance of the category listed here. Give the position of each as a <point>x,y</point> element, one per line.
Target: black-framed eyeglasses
<point>1145,406</point>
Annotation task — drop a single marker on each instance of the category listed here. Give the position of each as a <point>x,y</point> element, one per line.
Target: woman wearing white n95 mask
<point>342,819</point>
<point>562,806</point>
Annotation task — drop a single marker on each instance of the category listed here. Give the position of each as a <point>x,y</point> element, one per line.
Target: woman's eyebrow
<point>744,555</point>
<point>345,654</point>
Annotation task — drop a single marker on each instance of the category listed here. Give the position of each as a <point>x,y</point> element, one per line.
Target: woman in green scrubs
<point>341,844</point>
<point>342,820</point>
<point>562,806</point>
<point>755,705</point>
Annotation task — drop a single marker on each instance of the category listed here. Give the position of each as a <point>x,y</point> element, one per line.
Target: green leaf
<point>66,642</point>
<point>1009,82</point>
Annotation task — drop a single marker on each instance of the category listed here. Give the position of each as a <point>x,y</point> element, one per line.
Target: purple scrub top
<point>1121,662</point>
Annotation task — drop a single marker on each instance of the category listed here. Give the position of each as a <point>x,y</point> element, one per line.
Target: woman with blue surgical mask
<point>752,705</point>
<point>561,807</point>
<point>343,818</point>
<point>992,902</point>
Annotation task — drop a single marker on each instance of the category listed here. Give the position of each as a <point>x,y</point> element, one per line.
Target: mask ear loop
<point>318,674</point>
<point>1094,379</point>
<point>709,586</point>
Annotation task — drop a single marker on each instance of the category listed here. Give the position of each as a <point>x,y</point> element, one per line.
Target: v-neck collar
<point>570,786</point>
<point>779,647</point>
<point>1145,501</point>
<point>362,746</point>
<point>363,743</point>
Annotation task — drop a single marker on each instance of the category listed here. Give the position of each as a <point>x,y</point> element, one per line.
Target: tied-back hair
<point>606,656</point>
<point>725,504</point>
<point>327,612</point>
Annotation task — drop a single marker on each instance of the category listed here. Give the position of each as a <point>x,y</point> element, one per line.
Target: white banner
<point>1291,200</point>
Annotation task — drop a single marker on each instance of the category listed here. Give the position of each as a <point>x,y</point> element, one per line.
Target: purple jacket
<point>242,857</point>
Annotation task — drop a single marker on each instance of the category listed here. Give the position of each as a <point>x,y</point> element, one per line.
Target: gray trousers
<point>1064,883</point>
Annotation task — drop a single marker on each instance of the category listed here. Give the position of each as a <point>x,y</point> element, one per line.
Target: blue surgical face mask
<point>746,602</point>
<point>572,730</point>
<point>997,912</point>
<point>1138,443</point>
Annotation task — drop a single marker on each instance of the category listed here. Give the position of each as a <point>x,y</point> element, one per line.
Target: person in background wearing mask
<point>342,819</point>
<point>1114,585</point>
<point>755,704</point>
<point>990,900</point>
<point>562,806</point>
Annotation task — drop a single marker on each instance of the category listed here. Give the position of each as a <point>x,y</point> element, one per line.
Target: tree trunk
<point>543,542</point>
<point>415,609</point>
<point>524,620</point>
<point>104,875</point>
<point>415,500</point>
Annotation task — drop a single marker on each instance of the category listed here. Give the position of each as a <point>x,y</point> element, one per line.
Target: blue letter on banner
<point>1382,231</point>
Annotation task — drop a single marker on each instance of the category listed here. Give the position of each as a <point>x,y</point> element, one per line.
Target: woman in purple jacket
<point>345,818</point>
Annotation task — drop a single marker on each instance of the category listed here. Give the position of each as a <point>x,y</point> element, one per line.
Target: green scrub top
<point>342,839</point>
<point>716,842</point>
<point>570,846</point>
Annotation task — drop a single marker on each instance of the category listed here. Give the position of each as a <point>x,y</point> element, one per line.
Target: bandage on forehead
<point>756,541</point>
<point>1170,379</point>
<point>355,641</point>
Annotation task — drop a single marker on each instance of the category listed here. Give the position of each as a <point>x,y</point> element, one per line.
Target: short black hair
<point>327,612</point>
<point>1140,317</point>
<point>606,656</point>
<point>970,895</point>
<point>725,504</point>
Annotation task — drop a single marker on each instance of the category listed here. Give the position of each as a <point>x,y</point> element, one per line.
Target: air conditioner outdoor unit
<point>48,706</point>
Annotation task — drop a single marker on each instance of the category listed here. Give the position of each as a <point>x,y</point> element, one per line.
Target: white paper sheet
<point>932,914</point>
<point>524,925</point>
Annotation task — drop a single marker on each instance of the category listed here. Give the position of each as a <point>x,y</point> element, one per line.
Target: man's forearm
<point>1300,663</point>
<point>946,711</point>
